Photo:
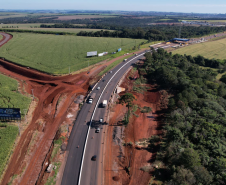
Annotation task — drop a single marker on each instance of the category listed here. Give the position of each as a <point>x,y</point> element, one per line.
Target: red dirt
<point>47,89</point>
<point>4,40</point>
<point>144,126</point>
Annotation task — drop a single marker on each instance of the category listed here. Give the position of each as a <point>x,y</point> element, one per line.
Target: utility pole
<point>32,93</point>
<point>25,113</point>
<point>19,127</point>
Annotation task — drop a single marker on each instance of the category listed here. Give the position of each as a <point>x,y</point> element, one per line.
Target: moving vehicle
<point>92,97</point>
<point>101,120</point>
<point>124,60</point>
<point>104,103</point>
<point>98,88</point>
<point>98,130</point>
<point>94,158</point>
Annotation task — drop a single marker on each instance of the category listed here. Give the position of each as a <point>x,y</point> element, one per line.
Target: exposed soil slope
<point>144,125</point>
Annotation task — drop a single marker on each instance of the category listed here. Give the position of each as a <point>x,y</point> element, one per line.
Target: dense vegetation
<point>156,32</point>
<point>193,148</point>
<point>8,134</point>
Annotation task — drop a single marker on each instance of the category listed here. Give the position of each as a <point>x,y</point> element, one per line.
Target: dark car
<point>94,158</point>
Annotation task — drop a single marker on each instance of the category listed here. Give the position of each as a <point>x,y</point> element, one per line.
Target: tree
<point>146,109</point>
<point>127,99</point>
<point>190,158</point>
<point>183,177</point>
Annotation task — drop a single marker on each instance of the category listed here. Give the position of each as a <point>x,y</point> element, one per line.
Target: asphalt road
<point>92,171</point>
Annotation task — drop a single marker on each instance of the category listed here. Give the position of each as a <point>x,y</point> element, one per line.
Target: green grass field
<point>10,97</point>
<point>213,49</point>
<point>55,53</point>
<point>1,37</point>
<point>8,134</point>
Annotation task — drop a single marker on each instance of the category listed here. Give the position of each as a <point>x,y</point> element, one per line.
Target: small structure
<point>180,41</point>
<point>120,49</point>
<point>50,168</point>
<point>100,54</point>
<point>91,53</point>
<point>10,114</point>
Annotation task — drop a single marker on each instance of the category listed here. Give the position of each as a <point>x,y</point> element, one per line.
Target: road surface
<point>92,171</point>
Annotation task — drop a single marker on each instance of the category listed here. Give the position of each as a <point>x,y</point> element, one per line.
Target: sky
<point>188,6</point>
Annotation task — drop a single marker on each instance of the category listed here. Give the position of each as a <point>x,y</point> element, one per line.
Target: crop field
<point>9,96</point>
<point>207,20</point>
<point>8,134</point>
<point>212,49</point>
<point>36,27</point>
<point>56,53</point>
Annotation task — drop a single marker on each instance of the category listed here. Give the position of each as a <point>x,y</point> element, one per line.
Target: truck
<point>104,103</point>
<point>91,98</point>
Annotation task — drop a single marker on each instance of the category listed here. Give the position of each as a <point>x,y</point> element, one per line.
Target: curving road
<point>6,38</point>
<point>80,169</point>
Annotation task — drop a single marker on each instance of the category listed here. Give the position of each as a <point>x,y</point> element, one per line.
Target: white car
<point>98,130</point>
<point>98,88</point>
<point>101,120</point>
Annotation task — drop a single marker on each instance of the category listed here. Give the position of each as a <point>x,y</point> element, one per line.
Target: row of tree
<point>193,148</point>
<point>155,32</point>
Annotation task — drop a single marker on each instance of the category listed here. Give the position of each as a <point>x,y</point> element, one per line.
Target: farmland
<point>36,27</point>
<point>213,49</point>
<point>55,53</point>
<point>9,95</point>
<point>207,20</point>
<point>8,134</point>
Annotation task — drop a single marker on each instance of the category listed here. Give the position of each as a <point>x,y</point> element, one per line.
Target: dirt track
<point>47,90</point>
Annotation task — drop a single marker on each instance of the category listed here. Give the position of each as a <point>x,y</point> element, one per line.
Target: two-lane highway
<point>80,169</point>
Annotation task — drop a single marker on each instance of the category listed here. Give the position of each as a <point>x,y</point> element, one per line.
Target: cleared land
<point>213,49</point>
<point>56,53</point>
<point>9,95</point>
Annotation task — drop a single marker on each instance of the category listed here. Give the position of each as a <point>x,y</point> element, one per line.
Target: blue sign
<point>9,113</point>
<point>120,49</point>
